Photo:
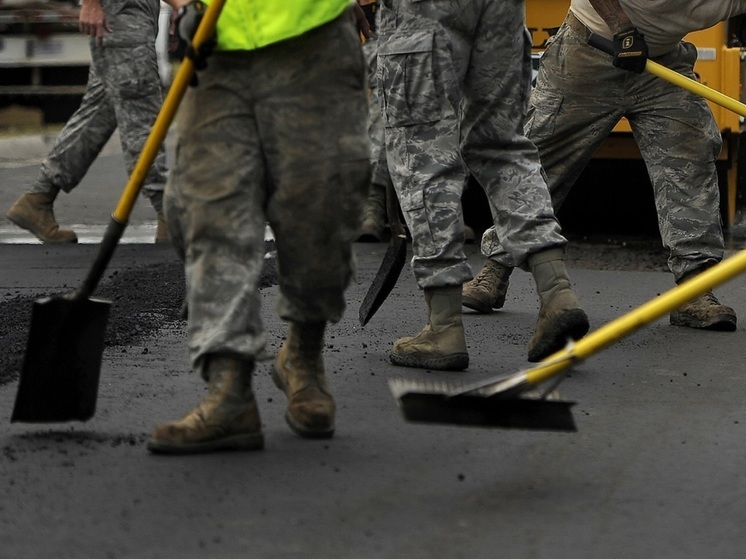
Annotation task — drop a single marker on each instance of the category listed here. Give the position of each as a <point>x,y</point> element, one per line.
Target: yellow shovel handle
<point>636,319</point>
<point>695,87</point>
<point>165,116</point>
<point>675,78</point>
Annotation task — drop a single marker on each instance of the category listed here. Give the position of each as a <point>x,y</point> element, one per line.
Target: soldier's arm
<point>613,14</point>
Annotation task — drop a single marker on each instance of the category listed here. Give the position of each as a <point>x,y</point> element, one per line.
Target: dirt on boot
<point>441,345</point>
<point>298,371</point>
<point>488,289</point>
<point>707,313</point>
<point>226,419</point>
<point>560,321</point>
<point>33,212</point>
<point>440,351</point>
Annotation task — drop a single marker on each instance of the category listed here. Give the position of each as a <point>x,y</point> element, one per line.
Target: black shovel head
<point>490,411</point>
<point>386,277</point>
<point>59,380</point>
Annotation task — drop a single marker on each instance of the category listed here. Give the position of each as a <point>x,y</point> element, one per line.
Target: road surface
<point>654,470</point>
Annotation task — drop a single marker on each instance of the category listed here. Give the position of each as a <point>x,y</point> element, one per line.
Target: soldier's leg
<point>317,155</point>
<point>422,149</point>
<point>506,163</point>
<point>680,142</point>
<point>216,208</point>
<point>133,83</point>
<point>74,150</point>
<point>374,217</point>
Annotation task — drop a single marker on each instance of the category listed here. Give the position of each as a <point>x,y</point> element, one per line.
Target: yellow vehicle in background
<point>719,66</point>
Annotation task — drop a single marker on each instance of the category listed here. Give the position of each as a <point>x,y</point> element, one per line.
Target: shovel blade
<point>385,280</point>
<point>480,411</point>
<point>61,369</point>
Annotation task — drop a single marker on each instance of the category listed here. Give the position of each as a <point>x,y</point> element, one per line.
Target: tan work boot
<point>373,228</point>
<point>226,419</point>
<point>560,317</point>
<point>704,312</point>
<point>488,289</point>
<point>299,372</point>
<point>441,344</point>
<point>162,234</point>
<point>33,212</point>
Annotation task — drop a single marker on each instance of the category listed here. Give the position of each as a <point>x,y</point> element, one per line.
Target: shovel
<point>393,261</point>
<point>502,401</point>
<point>61,369</point>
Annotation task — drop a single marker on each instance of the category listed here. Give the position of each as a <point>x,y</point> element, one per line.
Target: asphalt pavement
<point>655,468</point>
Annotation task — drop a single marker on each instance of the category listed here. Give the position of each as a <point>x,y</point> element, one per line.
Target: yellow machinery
<point>718,66</point>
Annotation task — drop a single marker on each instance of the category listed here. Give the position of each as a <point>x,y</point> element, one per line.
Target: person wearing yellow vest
<point>274,132</point>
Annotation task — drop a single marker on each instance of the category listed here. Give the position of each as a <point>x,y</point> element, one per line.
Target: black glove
<point>185,26</point>
<point>630,51</point>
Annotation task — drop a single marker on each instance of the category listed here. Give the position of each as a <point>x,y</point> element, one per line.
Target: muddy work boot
<point>226,419</point>
<point>487,291</point>
<point>704,312</point>
<point>441,344</point>
<point>299,372</point>
<point>560,317</point>
<point>33,212</point>
<point>373,228</point>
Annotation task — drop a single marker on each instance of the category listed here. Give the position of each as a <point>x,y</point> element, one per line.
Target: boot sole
<point>296,427</point>
<point>253,441</point>
<point>721,323</point>
<point>570,325</point>
<point>455,362</point>
<point>476,305</point>
<point>306,433</point>
<point>479,306</point>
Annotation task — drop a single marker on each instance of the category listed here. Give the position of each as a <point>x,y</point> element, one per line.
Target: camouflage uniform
<point>380,170</point>
<point>257,151</point>
<point>579,98</point>
<point>124,91</point>
<point>454,80</point>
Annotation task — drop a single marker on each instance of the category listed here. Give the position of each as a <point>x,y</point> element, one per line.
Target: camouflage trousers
<point>123,91</point>
<point>380,169</point>
<point>278,136</point>
<point>454,80</point>
<point>579,98</point>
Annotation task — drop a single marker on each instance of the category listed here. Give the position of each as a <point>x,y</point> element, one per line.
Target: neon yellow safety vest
<point>251,24</point>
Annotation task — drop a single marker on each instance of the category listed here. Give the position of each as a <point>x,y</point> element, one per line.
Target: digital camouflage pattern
<point>579,98</point>
<point>380,169</point>
<point>454,81</point>
<point>274,135</point>
<point>123,91</point>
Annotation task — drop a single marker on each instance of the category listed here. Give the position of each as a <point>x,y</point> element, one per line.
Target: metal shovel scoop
<point>392,264</point>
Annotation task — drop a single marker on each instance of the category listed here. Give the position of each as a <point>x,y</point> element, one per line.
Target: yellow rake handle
<point>165,116</point>
<point>636,319</point>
